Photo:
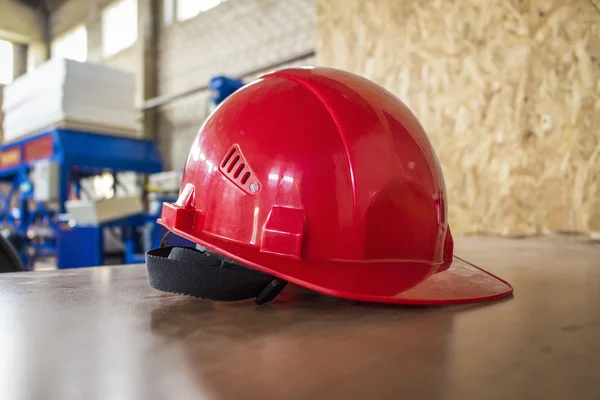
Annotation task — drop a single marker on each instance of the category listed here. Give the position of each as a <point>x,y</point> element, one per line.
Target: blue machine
<point>83,245</point>
<point>222,87</point>
<point>79,155</point>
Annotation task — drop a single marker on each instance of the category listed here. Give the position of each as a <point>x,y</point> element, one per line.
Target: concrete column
<point>19,23</point>
<point>149,12</point>
<point>19,59</point>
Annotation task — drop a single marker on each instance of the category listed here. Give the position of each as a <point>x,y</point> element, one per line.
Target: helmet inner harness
<point>208,275</point>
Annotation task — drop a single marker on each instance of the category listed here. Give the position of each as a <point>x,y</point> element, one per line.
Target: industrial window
<point>185,9</point>
<point>71,45</point>
<point>119,26</point>
<point>6,62</point>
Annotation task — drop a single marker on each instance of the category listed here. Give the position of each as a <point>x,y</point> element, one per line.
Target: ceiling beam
<point>23,24</point>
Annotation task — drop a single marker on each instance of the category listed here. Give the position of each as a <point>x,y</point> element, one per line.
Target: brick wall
<point>234,37</point>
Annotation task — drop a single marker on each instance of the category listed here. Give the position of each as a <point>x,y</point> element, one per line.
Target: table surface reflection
<point>100,333</point>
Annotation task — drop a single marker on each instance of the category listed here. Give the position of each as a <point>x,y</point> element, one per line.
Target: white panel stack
<point>45,177</point>
<point>74,95</point>
<point>99,211</point>
<point>168,181</point>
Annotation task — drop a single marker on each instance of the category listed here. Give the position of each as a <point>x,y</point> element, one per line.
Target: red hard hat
<point>321,178</point>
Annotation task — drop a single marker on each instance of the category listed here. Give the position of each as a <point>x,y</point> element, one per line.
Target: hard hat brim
<point>391,282</point>
<point>461,283</point>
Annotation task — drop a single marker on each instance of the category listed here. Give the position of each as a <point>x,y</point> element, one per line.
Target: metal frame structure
<point>78,154</point>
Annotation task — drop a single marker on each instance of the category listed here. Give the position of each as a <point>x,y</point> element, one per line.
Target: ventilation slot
<point>238,171</point>
<point>245,178</point>
<point>226,160</point>
<point>235,160</point>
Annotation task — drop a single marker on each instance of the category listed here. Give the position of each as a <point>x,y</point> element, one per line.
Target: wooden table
<point>102,333</point>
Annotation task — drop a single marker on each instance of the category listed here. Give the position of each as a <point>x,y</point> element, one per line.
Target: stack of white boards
<point>86,212</point>
<point>74,95</point>
<point>167,181</point>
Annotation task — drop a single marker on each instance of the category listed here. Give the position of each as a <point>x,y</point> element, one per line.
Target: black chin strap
<point>186,270</point>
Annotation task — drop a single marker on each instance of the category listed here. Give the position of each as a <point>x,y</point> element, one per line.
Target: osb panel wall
<point>509,93</point>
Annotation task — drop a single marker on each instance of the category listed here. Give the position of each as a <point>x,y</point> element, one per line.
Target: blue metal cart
<point>79,155</point>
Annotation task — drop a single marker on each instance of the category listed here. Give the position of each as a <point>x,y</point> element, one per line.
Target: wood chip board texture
<point>508,92</point>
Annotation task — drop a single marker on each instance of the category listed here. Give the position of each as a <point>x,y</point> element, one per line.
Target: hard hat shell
<point>324,179</point>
